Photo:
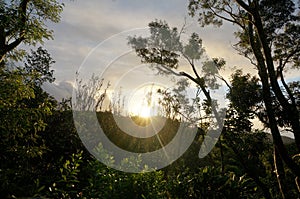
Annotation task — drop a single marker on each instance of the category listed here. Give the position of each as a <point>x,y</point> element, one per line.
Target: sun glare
<point>145,112</point>
<point>141,110</point>
<point>144,101</point>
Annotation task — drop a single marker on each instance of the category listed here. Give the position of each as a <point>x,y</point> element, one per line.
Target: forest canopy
<point>43,156</point>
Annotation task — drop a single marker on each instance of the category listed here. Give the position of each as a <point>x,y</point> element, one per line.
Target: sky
<point>91,38</point>
<point>86,24</point>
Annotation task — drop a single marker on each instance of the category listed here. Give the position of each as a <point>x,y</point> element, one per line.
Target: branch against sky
<point>164,50</point>
<point>262,23</point>
<point>25,22</point>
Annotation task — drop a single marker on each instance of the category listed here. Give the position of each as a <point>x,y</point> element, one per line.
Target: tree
<point>24,107</point>
<point>164,49</point>
<point>24,21</point>
<point>246,144</point>
<point>268,36</point>
<point>23,103</point>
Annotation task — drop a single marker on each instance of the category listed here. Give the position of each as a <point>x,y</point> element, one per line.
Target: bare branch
<point>225,18</point>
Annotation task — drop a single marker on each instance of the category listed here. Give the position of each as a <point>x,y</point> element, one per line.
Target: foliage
<point>251,89</point>
<point>267,36</point>
<point>42,155</point>
<point>24,107</point>
<point>160,47</point>
<point>67,186</point>
<point>24,21</point>
<point>109,183</point>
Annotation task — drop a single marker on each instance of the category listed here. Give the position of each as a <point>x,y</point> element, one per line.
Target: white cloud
<point>59,91</point>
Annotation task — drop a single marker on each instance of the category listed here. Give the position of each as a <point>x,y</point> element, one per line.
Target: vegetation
<point>43,157</point>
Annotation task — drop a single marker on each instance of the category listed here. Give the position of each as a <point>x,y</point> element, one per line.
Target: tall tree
<point>164,50</point>
<point>269,36</point>
<point>23,103</point>
<point>24,21</point>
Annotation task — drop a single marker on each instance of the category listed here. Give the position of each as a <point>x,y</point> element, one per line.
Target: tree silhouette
<point>268,36</point>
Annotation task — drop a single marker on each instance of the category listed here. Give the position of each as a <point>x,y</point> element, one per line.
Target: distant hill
<point>285,139</point>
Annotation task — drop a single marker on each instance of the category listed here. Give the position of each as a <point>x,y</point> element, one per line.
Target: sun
<point>145,112</point>
<point>142,111</point>
<point>143,101</point>
<point>142,116</point>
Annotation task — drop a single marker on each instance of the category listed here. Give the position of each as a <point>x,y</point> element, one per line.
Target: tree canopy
<point>265,29</point>
<point>24,21</point>
<point>42,155</point>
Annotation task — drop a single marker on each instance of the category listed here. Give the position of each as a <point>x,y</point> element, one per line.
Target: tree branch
<point>192,65</point>
<point>225,18</point>
<point>22,10</point>
<point>244,5</point>
<point>280,71</point>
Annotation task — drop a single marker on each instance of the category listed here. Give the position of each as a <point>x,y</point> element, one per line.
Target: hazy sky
<point>85,24</point>
<point>88,24</point>
<point>100,25</point>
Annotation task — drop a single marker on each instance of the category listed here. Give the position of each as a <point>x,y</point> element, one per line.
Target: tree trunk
<point>279,171</point>
<point>263,74</point>
<point>290,110</point>
<point>221,154</point>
